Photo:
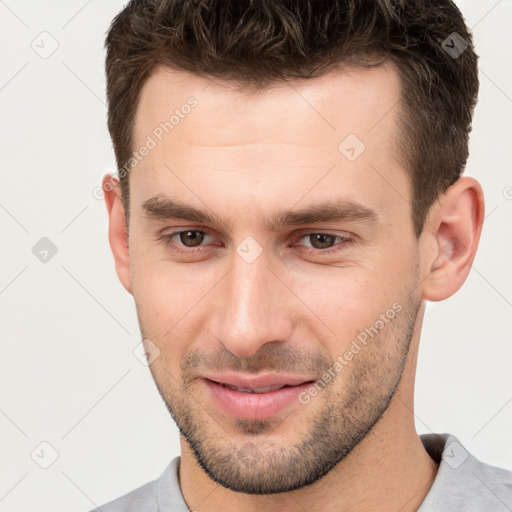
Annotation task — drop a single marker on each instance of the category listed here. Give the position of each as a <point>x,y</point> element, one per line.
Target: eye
<point>321,240</point>
<point>321,243</point>
<point>184,241</point>
<point>191,238</point>
<point>190,241</point>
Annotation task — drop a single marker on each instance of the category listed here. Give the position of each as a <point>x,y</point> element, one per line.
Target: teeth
<point>253,390</point>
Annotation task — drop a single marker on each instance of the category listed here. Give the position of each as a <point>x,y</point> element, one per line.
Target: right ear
<point>117,235</point>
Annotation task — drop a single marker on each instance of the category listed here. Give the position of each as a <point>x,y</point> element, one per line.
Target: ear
<point>117,235</point>
<point>454,227</point>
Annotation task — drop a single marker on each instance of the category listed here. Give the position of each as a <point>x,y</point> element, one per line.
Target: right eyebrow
<point>162,208</point>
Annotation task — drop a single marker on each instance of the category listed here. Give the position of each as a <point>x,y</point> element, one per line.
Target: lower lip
<point>254,406</point>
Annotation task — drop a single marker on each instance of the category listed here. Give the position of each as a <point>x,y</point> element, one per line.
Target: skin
<point>243,155</point>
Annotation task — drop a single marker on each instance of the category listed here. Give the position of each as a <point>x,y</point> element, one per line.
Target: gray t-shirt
<point>462,484</point>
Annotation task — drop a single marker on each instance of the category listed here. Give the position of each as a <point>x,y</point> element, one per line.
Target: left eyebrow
<point>330,211</point>
<point>160,207</point>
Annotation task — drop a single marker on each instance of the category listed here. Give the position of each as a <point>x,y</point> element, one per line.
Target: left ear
<point>454,226</point>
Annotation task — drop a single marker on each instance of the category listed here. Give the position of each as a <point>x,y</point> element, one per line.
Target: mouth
<point>255,397</point>
<point>253,390</point>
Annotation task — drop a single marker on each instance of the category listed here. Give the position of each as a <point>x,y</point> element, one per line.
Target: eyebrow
<point>163,208</point>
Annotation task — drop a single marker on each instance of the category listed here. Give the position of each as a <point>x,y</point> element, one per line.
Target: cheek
<point>170,300</point>
<point>350,300</point>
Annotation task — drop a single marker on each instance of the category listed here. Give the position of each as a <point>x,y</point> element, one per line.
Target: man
<point>289,196</point>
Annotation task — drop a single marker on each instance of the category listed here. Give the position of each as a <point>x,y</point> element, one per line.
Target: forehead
<point>348,99</point>
<point>269,142</point>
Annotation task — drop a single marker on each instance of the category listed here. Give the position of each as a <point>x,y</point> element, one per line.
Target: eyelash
<point>167,239</point>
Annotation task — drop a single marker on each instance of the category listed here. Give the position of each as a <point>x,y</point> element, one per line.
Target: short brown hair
<point>256,43</point>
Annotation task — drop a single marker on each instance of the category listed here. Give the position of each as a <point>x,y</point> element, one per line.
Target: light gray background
<point>68,375</point>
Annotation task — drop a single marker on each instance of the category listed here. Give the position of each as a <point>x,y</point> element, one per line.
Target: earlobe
<point>455,225</point>
<point>118,238</point>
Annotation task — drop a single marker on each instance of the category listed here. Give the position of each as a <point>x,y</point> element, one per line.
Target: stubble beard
<point>252,460</point>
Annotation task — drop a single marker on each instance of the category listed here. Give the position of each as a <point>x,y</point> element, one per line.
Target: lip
<point>254,406</point>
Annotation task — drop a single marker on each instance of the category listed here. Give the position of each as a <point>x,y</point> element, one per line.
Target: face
<point>274,267</point>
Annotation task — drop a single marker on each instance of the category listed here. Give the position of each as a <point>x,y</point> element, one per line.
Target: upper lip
<point>257,381</point>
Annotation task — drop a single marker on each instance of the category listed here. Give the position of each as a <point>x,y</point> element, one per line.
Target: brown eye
<point>191,238</point>
<point>322,244</point>
<point>322,240</point>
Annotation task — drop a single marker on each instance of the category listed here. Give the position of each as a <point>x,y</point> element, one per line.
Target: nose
<point>253,307</point>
